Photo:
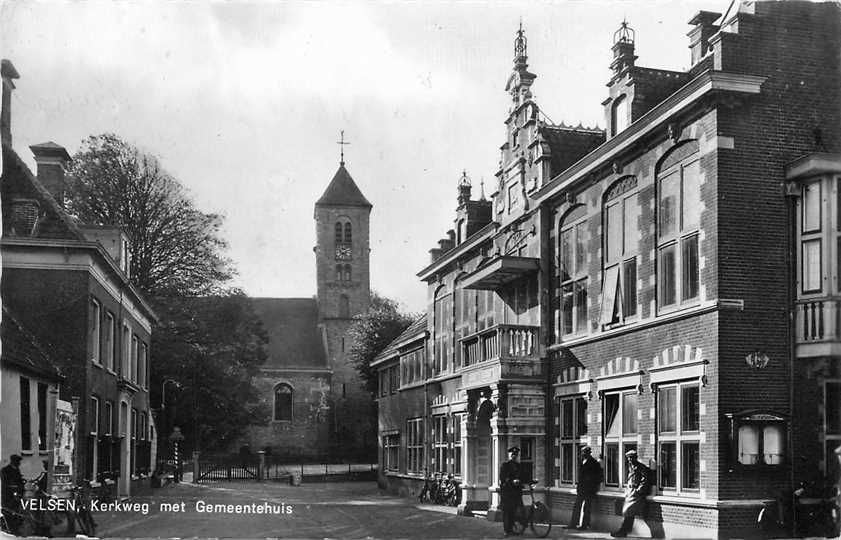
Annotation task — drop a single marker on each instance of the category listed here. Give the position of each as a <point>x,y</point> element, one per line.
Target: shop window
<point>757,438</point>
<point>573,415</point>
<point>678,437</point>
<point>678,223</point>
<point>620,433</point>
<point>414,446</point>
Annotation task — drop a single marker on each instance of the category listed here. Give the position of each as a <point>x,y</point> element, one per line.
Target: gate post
<point>196,469</point>
<point>261,468</point>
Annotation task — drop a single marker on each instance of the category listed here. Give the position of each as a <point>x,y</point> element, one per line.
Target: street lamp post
<point>165,425</point>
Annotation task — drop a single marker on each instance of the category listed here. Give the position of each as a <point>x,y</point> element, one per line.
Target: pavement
<point>313,510</point>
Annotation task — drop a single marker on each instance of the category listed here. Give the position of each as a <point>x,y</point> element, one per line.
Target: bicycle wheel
<point>540,522</point>
<point>57,523</point>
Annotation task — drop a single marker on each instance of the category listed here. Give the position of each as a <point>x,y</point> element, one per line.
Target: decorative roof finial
<point>464,180</point>
<point>520,44</point>
<point>342,144</point>
<point>625,34</point>
<point>482,189</point>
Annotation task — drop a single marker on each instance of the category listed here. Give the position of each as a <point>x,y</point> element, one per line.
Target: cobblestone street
<point>319,510</point>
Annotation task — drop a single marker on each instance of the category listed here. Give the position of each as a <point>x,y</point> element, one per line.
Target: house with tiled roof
<point>69,286</point>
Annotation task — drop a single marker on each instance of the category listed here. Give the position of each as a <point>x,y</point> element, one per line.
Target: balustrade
<point>500,342</point>
<point>818,320</point>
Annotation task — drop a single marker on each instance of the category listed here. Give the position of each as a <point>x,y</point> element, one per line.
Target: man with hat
<point>637,488</point>
<point>510,491</point>
<point>12,491</point>
<point>590,477</point>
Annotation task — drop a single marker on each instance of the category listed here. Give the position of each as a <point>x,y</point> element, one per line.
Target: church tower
<point>342,258</point>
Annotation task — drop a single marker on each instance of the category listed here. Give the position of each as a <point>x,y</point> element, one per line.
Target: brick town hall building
<point>319,405</point>
<point>669,285</point>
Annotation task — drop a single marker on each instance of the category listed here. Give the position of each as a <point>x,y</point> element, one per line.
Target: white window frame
<point>439,443</point>
<point>615,291</point>
<point>456,449</point>
<point>680,438</point>
<point>93,436</point>
<point>96,331</point>
<point>109,417</point>
<point>623,441</point>
<point>576,280</point>
<point>414,446</point>
<point>110,337</point>
<point>391,452</point>
<point>576,439</point>
<point>682,234</point>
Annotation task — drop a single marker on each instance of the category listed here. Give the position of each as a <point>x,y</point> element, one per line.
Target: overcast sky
<point>243,103</point>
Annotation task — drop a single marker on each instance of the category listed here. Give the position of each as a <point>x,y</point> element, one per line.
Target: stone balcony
<point>503,352</point>
<point>817,327</point>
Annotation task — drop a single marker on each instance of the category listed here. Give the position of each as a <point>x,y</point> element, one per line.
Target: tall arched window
<point>348,237</point>
<point>678,224</point>
<point>347,273</point>
<point>344,306</point>
<point>338,233</point>
<point>339,272</point>
<point>283,403</point>
<point>572,261</point>
<point>619,117</point>
<point>621,239</point>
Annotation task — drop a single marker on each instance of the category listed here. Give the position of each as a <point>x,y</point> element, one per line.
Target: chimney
<point>434,255</point>
<point>52,160</point>
<point>9,74</point>
<point>700,35</point>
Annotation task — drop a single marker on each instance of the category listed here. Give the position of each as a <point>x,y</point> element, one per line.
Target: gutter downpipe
<point>792,285</point>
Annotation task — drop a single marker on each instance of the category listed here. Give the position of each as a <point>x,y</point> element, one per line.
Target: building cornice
<point>95,247</point>
<point>480,236</point>
<point>705,83</point>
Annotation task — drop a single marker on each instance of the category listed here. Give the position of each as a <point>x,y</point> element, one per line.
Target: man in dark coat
<point>12,491</point>
<point>636,489</point>
<point>590,477</point>
<point>510,490</point>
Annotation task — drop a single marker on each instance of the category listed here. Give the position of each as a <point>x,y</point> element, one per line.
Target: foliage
<point>176,248</point>
<point>212,347</point>
<point>371,332</point>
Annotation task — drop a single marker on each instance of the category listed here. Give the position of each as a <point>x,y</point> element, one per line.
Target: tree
<point>213,347</point>
<point>176,249</point>
<point>208,338</point>
<point>371,332</point>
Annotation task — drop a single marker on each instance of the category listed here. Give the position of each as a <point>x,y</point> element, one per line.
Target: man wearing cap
<point>636,489</point>
<point>590,477</point>
<point>510,492</point>
<point>12,491</point>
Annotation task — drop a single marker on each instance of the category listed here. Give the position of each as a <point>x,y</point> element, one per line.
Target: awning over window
<point>500,270</point>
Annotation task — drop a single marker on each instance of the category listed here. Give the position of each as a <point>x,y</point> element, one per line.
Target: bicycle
<point>82,521</point>
<point>49,519</point>
<point>536,516</point>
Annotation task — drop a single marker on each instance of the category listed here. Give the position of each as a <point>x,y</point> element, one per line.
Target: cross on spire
<point>342,144</point>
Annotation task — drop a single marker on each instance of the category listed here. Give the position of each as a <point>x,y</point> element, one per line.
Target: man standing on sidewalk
<point>590,477</point>
<point>510,490</point>
<point>636,490</point>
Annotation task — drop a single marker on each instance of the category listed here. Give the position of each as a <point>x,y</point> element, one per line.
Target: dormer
<point>471,215</point>
<point>116,244</point>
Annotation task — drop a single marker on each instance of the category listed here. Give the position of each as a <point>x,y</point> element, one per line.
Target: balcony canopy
<point>499,271</point>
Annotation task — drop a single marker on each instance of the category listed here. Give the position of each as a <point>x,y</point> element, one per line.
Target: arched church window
<point>348,237</point>
<point>339,272</point>
<point>347,273</point>
<point>338,232</point>
<point>344,306</point>
<point>283,403</point>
